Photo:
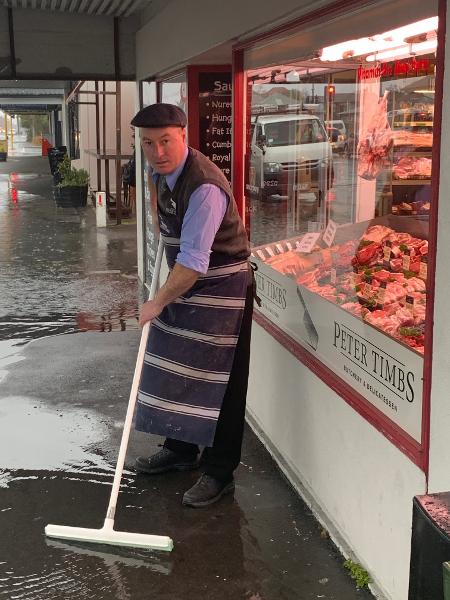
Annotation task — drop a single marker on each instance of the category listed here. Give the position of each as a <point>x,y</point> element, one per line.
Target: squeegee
<point>107,534</point>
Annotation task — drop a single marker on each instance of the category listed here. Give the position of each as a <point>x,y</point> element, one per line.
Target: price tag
<point>333,276</point>
<point>330,232</point>
<point>423,269</point>
<point>381,293</point>
<point>301,187</point>
<point>406,260</point>
<point>307,243</point>
<point>387,252</point>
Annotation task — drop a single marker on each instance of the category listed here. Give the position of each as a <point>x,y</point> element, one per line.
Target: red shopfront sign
<point>411,66</point>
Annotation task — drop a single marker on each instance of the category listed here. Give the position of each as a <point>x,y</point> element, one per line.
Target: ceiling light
<point>378,43</point>
<point>405,51</point>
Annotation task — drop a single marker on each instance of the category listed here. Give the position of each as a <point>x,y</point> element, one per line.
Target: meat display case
<point>358,303</point>
<point>411,167</point>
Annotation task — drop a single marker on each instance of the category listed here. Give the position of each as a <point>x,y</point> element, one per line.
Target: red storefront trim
<point>393,432</point>
<point>238,118</point>
<point>418,453</point>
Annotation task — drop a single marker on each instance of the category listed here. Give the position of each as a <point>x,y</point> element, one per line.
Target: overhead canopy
<point>71,39</point>
<point>25,109</point>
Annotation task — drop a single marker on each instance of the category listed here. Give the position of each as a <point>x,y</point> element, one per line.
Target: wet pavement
<point>62,404</point>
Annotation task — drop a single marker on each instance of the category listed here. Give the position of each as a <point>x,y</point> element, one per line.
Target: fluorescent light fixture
<point>417,28</point>
<point>354,48</point>
<point>378,43</point>
<point>405,51</point>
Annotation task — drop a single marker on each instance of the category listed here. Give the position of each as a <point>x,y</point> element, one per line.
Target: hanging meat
<point>375,142</point>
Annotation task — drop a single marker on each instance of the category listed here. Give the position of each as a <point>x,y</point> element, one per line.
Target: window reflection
<point>339,145</point>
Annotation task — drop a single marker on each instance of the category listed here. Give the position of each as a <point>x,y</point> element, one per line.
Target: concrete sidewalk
<point>69,338</point>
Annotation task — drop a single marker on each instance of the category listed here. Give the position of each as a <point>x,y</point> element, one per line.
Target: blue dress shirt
<point>206,209</point>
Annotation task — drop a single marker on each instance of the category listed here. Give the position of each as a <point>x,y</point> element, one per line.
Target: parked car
<point>290,153</point>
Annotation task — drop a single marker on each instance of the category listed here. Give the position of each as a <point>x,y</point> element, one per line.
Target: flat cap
<point>160,115</point>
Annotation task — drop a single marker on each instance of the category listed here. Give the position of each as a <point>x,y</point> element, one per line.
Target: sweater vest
<point>231,237</point>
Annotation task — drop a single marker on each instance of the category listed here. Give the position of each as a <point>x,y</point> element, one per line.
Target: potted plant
<point>73,187</point>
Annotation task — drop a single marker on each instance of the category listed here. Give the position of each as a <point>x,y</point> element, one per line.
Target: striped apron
<point>191,347</point>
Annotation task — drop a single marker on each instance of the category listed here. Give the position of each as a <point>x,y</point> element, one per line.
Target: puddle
<point>9,355</point>
<point>36,438</point>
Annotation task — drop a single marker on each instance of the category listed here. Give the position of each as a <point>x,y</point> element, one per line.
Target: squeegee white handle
<point>109,520</point>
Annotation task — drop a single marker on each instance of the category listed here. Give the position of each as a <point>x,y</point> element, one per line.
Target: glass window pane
<point>338,192</point>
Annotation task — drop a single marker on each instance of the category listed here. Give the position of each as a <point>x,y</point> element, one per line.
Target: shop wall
<point>212,23</point>
<point>88,131</point>
<point>128,111</point>
<point>357,482</point>
<point>439,472</point>
<point>87,135</point>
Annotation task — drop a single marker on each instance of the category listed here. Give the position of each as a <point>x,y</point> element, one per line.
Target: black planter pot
<point>71,195</point>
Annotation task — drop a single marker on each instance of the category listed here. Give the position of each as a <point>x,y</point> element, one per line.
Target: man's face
<point>163,147</point>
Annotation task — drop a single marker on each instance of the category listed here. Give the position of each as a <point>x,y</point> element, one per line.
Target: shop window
<point>148,93</point>
<point>338,195</point>
<point>174,91</point>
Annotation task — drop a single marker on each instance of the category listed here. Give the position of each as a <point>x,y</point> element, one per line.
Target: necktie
<point>163,191</point>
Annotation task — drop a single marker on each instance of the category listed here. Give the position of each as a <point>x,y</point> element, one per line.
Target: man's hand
<point>180,280</point>
<point>149,311</point>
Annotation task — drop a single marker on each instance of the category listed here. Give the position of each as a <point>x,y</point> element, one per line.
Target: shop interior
<point>339,147</point>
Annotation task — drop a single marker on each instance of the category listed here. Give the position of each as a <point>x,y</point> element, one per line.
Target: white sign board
<point>307,243</point>
<point>100,209</point>
<point>329,233</point>
<point>385,372</point>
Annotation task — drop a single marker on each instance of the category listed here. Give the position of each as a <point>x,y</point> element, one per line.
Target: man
<point>194,382</point>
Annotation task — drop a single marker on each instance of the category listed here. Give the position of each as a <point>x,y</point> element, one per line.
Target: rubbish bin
<point>55,156</point>
<point>446,567</point>
<point>430,547</point>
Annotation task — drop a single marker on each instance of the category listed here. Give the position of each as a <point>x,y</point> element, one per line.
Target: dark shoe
<point>165,460</point>
<point>206,491</point>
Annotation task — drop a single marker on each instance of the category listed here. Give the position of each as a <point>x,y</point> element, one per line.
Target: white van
<point>289,153</point>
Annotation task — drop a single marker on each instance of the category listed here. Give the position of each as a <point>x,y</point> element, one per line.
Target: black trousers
<point>222,459</point>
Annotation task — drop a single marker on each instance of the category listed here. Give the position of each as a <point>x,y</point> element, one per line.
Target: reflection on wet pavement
<point>58,272</point>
